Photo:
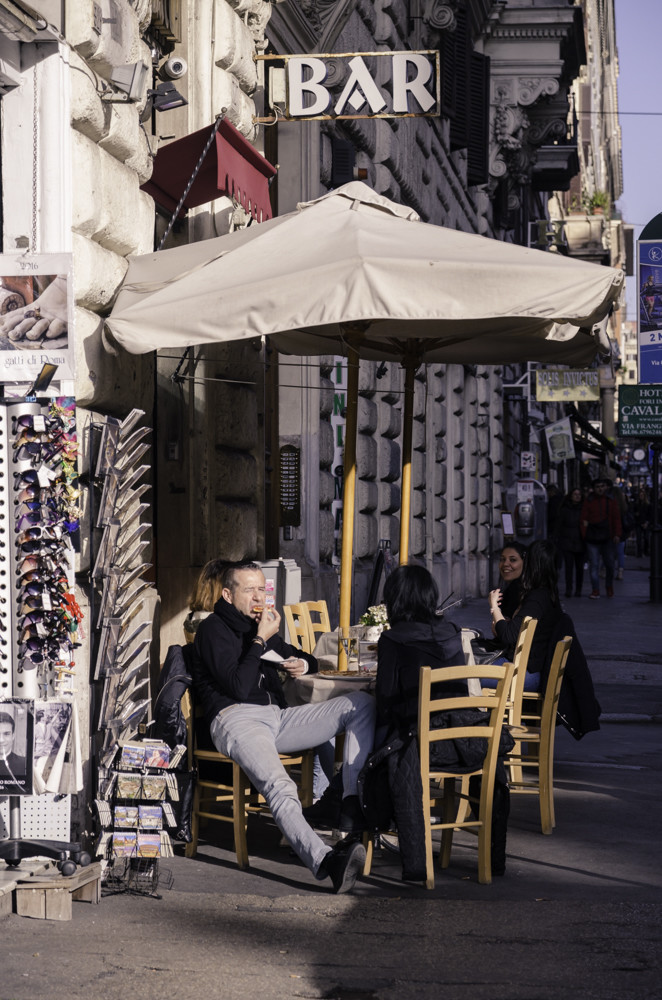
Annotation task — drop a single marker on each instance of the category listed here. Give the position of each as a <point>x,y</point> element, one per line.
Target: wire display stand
<point>136,876</point>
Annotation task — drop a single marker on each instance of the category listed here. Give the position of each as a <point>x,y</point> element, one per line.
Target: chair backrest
<point>299,626</point>
<point>186,703</point>
<point>493,700</point>
<point>318,616</point>
<point>520,661</point>
<point>553,691</point>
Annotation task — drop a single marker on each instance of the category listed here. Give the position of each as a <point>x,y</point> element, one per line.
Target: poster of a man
<point>16,733</point>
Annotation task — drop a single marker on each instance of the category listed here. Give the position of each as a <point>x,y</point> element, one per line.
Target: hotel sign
<point>352,85</point>
<point>563,385</point>
<point>640,411</point>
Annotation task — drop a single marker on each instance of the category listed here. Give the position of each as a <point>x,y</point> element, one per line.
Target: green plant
<point>599,199</point>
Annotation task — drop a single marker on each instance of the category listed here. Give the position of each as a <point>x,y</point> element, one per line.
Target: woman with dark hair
<point>417,637</point>
<point>511,565</point>
<point>540,600</point>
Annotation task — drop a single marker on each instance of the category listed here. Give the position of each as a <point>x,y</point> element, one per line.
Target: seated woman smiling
<point>539,600</point>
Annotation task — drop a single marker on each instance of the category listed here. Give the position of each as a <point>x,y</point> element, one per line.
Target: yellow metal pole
<point>408,422</point>
<point>349,493</point>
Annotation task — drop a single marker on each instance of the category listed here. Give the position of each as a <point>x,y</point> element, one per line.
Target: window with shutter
<point>461,75</point>
<point>479,115</point>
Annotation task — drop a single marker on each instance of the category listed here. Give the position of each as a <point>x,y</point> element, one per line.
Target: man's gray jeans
<point>254,735</point>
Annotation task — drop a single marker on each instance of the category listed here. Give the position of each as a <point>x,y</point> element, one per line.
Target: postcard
<point>133,755</point>
<point>129,786</point>
<point>124,843</point>
<point>149,845</point>
<point>153,786</point>
<point>157,756</point>
<point>124,816</point>
<point>150,817</point>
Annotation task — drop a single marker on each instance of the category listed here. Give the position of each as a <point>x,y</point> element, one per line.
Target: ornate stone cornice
<point>522,90</point>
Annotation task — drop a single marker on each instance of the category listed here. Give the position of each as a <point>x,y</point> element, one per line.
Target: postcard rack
<point>123,612</point>
<point>123,601</point>
<point>137,805</point>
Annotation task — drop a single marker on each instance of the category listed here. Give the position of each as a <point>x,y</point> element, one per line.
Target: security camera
<point>173,68</point>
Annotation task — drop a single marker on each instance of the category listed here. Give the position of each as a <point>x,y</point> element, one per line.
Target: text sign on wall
<point>649,313</point>
<point>558,385</point>
<point>290,486</point>
<point>354,85</point>
<point>640,411</point>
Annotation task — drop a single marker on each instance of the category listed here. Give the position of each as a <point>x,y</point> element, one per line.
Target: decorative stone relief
<point>440,15</point>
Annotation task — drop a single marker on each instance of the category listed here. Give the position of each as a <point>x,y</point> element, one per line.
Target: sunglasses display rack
<point>39,614</point>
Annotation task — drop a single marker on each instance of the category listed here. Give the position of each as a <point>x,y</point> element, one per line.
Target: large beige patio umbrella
<point>356,274</point>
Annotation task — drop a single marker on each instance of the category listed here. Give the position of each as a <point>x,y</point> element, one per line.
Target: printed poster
<point>16,746</point>
<point>36,317</point>
<point>649,314</point>
<point>560,443</point>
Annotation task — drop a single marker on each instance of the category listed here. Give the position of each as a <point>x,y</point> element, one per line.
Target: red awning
<point>232,167</point>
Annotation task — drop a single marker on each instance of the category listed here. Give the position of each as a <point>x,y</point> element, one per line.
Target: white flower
<point>375,615</point>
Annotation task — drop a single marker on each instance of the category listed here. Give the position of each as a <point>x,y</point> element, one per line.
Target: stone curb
<point>630,717</point>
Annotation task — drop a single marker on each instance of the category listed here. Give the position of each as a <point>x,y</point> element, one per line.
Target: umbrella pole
<point>407,429</point>
<point>349,492</point>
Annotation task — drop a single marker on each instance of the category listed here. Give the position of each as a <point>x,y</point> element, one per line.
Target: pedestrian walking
<point>601,528</point>
<point>571,542</point>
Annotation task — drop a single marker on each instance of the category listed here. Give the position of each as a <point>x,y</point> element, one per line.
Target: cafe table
<point>329,682</point>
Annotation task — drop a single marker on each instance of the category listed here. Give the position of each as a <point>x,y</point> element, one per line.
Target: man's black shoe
<point>343,864</point>
<point>326,811</point>
<point>351,819</point>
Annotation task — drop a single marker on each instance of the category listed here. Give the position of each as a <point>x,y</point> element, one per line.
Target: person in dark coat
<point>601,528</point>
<point>540,600</point>
<point>250,721</point>
<point>417,637</point>
<point>571,542</point>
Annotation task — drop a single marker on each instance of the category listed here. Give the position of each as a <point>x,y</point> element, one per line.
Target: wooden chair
<point>231,800</point>
<point>439,787</point>
<point>318,616</point>
<point>537,731</point>
<point>299,626</point>
<point>515,698</point>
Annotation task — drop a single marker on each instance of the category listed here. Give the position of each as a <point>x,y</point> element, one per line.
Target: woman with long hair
<point>207,591</point>
<point>540,600</point>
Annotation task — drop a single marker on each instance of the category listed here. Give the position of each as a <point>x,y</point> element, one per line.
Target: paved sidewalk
<point>577,913</point>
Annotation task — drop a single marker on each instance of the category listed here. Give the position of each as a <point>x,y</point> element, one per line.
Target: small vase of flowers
<point>374,621</point>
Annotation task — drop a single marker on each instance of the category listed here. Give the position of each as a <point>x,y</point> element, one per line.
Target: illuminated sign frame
<point>414,78</point>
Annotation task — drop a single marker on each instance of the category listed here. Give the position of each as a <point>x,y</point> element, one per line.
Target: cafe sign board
<point>558,385</point>
<point>353,85</point>
<point>640,411</point>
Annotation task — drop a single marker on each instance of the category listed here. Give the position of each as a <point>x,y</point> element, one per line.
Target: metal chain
<point>35,150</point>
<point>188,187</point>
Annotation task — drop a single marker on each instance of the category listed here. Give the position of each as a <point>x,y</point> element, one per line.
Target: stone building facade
<point>76,155</point>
